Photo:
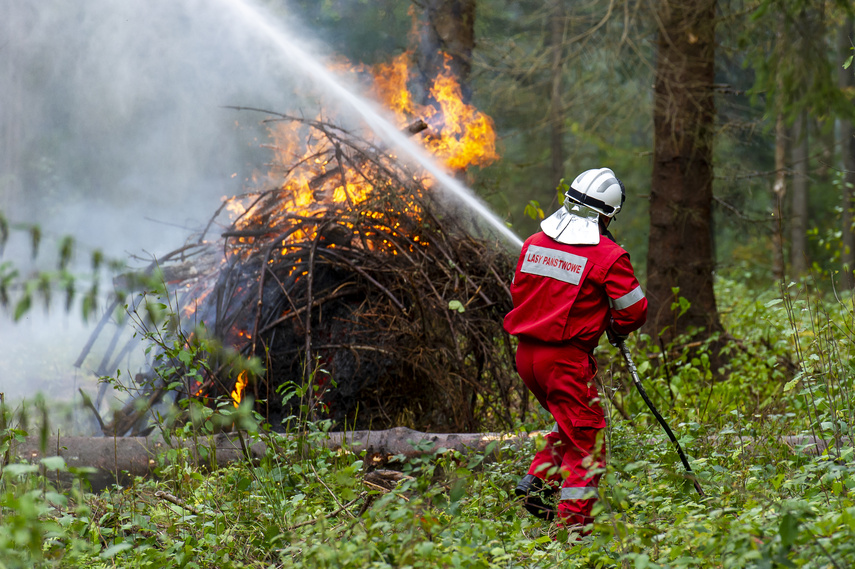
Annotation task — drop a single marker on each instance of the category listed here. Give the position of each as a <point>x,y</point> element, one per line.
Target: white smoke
<point>114,129</point>
<point>120,105</point>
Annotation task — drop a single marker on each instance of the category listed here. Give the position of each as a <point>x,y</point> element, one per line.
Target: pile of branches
<point>376,311</point>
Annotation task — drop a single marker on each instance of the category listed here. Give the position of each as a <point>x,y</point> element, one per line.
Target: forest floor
<point>302,505</point>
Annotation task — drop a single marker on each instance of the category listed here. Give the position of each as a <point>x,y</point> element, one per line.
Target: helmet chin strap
<point>604,227</point>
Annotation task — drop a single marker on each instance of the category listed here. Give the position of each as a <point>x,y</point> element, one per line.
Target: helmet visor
<point>573,224</point>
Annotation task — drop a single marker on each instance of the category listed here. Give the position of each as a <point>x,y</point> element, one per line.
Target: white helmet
<point>592,193</point>
<point>599,189</point>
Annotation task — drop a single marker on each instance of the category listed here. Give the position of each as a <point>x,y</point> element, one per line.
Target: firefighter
<point>571,284</point>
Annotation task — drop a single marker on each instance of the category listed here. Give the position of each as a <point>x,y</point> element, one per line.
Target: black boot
<point>530,489</point>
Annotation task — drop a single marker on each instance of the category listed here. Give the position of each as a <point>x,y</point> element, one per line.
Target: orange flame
<point>240,385</point>
<point>458,134</point>
<point>390,86</point>
<point>467,136</point>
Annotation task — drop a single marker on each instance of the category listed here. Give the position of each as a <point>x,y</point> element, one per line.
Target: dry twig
<point>177,501</point>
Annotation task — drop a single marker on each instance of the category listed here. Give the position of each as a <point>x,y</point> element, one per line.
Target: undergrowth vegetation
<point>764,412</point>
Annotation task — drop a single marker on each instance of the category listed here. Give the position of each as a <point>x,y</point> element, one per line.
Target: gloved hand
<point>615,339</point>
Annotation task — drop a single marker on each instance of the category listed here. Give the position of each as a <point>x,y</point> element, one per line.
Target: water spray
<point>313,68</point>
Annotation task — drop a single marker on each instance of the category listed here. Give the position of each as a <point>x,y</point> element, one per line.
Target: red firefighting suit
<point>565,297</point>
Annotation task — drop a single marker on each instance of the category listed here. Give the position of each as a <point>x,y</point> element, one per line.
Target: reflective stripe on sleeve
<point>578,493</point>
<point>628,299</point>
<point>554,428</point>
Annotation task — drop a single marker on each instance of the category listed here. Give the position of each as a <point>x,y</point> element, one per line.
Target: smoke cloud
<point>119,107</point>
<point>115,129</point>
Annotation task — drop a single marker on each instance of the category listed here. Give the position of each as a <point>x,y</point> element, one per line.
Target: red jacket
<point>573,293</point>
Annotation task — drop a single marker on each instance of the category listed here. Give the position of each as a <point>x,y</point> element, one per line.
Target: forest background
<point>566,86</point>
<point>571,87</point>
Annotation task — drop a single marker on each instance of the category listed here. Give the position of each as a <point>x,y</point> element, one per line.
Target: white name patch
<point>559,265</point>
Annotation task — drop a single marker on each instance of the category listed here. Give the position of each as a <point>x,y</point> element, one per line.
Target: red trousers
<point>561,377</point>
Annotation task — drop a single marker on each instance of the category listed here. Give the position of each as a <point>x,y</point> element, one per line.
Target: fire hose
<point>635,379</point>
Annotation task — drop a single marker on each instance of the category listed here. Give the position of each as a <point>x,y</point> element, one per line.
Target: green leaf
<point>44,286</point>
<point>789,529</point>
<point>53,462</point>
<point>4,231</point>
<point>185,357</point>
<point>533,210</point>
<point>113,550</point>
<point>425,548</point>
<point>90,302</point>
<point>458,490</point>
<point>772,303</point>
<point>642,561</point>
<point>456,305</point>
<point>66,246</point>
<point>23,306</point>
<point>97,259</point>
<point>760,11</point>
<point>56,498</point>
<point>69,292</point>
<point>20,469</point>
<point>684,305</point>
<point>35,239</point>
<point>82,470</point>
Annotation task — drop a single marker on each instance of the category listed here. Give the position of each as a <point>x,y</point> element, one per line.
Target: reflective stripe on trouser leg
<point>575,505</point>
<point>578,493</point>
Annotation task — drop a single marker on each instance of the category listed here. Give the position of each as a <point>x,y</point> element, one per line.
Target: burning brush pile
<point>351,278</point>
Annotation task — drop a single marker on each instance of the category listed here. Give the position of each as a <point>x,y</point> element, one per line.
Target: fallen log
<point>117,460</point>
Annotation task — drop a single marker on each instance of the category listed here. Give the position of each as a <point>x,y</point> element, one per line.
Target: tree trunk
<point>779,188</point>
<point>446,39</point>
<point>680,253</point>
<point>799,204</point>
<point>556,111</point>
<point>846,80</point>
<point>779,191</point>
